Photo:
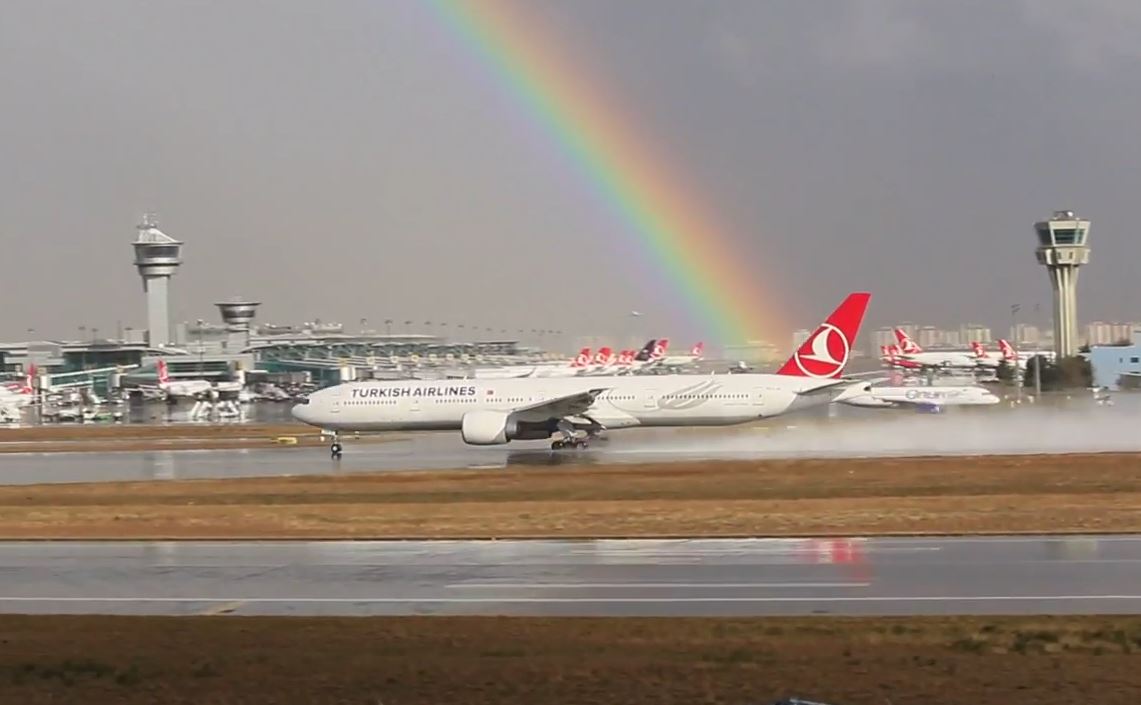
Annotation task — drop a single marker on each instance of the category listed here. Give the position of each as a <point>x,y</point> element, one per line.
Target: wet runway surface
<point>422,451</point>
<point>1001,575</point>
<point>868,434</point>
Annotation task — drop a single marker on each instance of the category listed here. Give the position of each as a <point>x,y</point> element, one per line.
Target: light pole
<point>200,351</point>
<point>1037,358</point>
<point>1014,309</point>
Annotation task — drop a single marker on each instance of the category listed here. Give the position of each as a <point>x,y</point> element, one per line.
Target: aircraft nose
<point>302,411</point>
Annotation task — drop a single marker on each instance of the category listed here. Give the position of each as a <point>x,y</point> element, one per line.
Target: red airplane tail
<point>698,350</point>
<point>826,352</point>
<point>602,357</point>
<point>582,359</point>
<point>660,348</point>
<point>163,373</point>
<point>1008,352</point>
<point>906,344</point>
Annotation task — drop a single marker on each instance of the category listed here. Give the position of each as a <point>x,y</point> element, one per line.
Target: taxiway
<point>881,576</point>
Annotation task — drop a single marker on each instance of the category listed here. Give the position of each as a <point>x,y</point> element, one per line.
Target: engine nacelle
<point>490,428</point>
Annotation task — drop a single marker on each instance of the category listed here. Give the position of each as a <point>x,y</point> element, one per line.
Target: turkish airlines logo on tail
<point>828,352</point>
<point>582,359</point>
<point>163,374</point>
<point>660,348</point>
<point>825,353</point>
<point>1007,350</point>
<point>906,344</point>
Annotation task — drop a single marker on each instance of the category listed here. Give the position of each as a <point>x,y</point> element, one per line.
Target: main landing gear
<point>571,439</point>
<point>574,442</point>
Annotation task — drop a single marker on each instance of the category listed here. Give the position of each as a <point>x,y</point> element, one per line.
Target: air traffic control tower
<point>1062,248</point>
<point>237,314</point>
<point>157,255</point>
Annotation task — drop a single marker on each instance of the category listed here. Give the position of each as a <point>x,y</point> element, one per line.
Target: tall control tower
<point>1062,248</point>
<point>157,255</point>
<point>237,313</point>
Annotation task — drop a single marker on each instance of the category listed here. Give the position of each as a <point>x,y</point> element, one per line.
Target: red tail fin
<point>979,348</point>
<point>1007,349</point>
<point>582,359</point>
<point>825,353</point>
<point>906,344</point>
<point>660,347</point>
<point>602,357</point>
<point>163,374</point>
<point>698,350</point>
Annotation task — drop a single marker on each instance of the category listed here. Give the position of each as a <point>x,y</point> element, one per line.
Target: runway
<point>866,434</point>
<point>881,576</point>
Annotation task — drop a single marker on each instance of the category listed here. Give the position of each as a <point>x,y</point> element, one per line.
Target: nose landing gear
<point>335,448</point>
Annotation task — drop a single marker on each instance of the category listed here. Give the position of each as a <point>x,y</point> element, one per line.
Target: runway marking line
<point>603,600</point>
<point>565,586</point>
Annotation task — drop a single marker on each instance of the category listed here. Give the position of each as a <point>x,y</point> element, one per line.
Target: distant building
<point>1026,335</point>
<point>754,351</point>
<point>973,332</point>
<point>1115,365</point>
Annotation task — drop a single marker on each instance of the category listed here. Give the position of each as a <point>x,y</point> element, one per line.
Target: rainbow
<point>668,223</point>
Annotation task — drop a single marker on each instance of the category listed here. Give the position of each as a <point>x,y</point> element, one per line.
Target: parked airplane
<point>1020,358</point>
<point>921,398</point>
<point>890,355</point>
<point>17,395</point>
<point>487,412</point>
<point>695,354</point>
<point>910,352</point>
<point>190,387</point>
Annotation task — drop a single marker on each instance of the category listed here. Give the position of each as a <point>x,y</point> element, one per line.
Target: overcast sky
<point>348,160</point>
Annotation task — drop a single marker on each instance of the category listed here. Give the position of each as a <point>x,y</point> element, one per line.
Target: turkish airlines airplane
<point>19,394</point>
<point>920,398</point>
<point>190,387</point>
<point>696,353</point>
<point>890,355</point>
<point>909,351</point>
<point>493,412</point>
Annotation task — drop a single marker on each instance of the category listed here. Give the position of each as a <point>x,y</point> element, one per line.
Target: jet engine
<point>489,428</point>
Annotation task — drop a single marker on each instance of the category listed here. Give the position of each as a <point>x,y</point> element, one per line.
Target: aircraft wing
<point>878,376</point>
<point>559,407</point>
<point>825,386</point>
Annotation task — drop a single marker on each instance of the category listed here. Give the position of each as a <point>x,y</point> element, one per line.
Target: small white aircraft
<point>932,399</point>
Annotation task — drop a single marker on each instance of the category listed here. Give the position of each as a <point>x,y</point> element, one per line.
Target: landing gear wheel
<point>335,450</point>
<point>558,445</point>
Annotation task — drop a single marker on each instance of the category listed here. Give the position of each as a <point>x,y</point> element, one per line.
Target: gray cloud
<point>356,161</point>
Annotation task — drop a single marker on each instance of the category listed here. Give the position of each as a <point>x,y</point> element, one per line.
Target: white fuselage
<point>186,388</point>
<point>969,395</point>
<point>626,401</point>
<point>941,359</point>
<point>15,399</point>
